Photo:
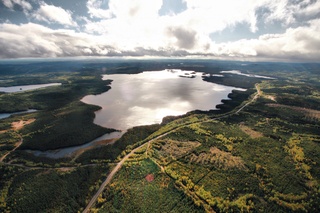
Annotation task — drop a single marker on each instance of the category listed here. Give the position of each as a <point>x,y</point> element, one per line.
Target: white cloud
<point>51,13</point>
<point>289,12</point>
<point>135,28</point>
<point>310,9</point>
<point>26,6</point>
<point>211,16</point>
<point>33,40</point>
<point>124,8</point>
<point>296,44</point>
<point>281,11</point>
<point>130,24</point>
<point>135,8</point>
<point>95,10</point>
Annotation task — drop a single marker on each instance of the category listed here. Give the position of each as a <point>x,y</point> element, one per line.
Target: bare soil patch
<point>65,169</point>
<point>270,97</point>
<point>20,124</point>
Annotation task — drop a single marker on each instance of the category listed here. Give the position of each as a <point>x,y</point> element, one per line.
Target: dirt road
<point>114,171</point>
<point>16,147</point>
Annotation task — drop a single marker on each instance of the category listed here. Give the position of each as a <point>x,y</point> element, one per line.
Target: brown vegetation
<point>308,112</point>
<point>174,149</point>
<point>219,158</point>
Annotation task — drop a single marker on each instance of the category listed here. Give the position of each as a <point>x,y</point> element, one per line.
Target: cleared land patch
<point>308,112</point>
<point>252,133</point>
<point>167,150</point>
<point>20,124</point>
<point>220,159</point>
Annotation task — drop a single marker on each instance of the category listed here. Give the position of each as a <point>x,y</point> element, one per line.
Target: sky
<point>253,30</point>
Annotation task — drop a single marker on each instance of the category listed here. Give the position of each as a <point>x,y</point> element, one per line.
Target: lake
<point>24,88</point>
<point>146,98</point>
<point>6,115</point>
<point>69,151</point>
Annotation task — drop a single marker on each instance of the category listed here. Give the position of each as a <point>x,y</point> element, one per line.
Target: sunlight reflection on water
<point>145,98</point>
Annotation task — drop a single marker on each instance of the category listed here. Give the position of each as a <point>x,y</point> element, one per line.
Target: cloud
<point>209,16</point>
<point>51,13</point>
<point>123,9</point>
<point>26,6</point>
<point>134,24</point>
<point>296,44</point>
<point>135,28</point>
<point>33,40</point>
<point>95,10</point>
<point>308,11</point>
<point>135,8</point>
<point>289,12</point>
<point>185,39</point>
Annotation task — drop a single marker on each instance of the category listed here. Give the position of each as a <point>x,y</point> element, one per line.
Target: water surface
<point>6,115</point>
<point>237,72</point>
<point>23,88</point>
<point>146,98</point>
<point>69,151</point>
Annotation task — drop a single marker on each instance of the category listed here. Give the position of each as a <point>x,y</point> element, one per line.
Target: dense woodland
<point>264,158</point>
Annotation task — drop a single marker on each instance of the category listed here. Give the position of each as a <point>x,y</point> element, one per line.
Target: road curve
<point>16,147</point>
<point>252,100</point>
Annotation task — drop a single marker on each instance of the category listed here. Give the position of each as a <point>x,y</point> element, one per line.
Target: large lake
<point>146,98</point>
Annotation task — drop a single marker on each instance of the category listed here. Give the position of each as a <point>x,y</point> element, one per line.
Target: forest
<point>258,152</point>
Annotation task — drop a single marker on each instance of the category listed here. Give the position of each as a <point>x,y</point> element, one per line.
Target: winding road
<point>116,169</point>
<point>16,147</point>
